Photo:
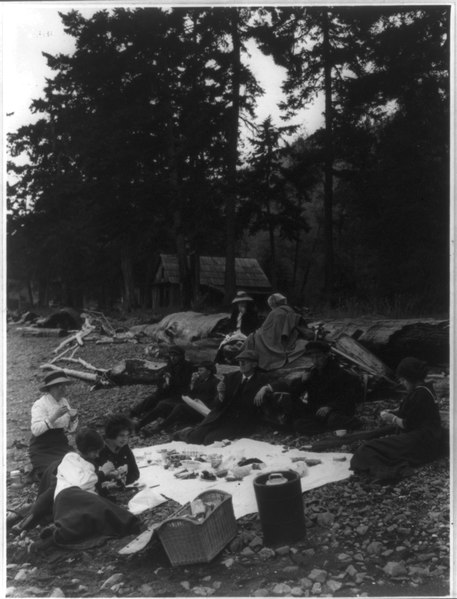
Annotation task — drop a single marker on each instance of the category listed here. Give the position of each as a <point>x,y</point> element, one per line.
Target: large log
<point>392,340</point>
<point>184,327</point>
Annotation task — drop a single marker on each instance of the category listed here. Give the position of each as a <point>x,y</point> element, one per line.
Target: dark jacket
<point>123,457</point>
<point>180,375</point>
<point>238,403</point>
<point>249,321</point>
<point>206,391</point>
<point>419,410</point>
<point>333,387</point>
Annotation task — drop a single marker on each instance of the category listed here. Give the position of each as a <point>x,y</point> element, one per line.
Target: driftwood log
<point>393,340</point>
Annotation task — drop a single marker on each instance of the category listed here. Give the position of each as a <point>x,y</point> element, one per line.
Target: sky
<point>32,28</point>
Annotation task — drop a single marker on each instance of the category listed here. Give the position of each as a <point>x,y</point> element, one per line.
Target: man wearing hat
<point>175,381</point>
<point>238,410</point>
<point>324,398</point>
<point>52,418</point>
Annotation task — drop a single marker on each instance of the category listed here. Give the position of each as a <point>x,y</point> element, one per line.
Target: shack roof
<point>249,274</point>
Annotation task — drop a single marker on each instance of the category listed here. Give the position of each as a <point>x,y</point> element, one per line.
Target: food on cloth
<point>312,461</point>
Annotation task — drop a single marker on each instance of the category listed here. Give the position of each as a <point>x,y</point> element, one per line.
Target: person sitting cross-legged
<point>175,382</point>
<point>203,386</point>
<point>238,409</point>
<point>116,461</point>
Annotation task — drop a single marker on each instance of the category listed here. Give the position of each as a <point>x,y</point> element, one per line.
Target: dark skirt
<point>391,458</point>
<point>46,448</point>
<point>79,515</point>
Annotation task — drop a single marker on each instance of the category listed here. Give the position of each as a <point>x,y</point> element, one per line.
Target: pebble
<point>21,576</point>
<point>256,542</point>
<point>266,553</point>
<point>186,585</point>
<point>217,585</point>
<point>281,589</point>
<point>325,519</point>
<point>296,591</point>
<point>147,589</point>
<point>291,570</point>
<point>203,591</point>
<point>317,575</point>
<point>34,591</point>
<point>394,569</point>
<point>247,551</point>
<point>305,583</point>
<point>284,550</point>
<point>206,579</point>
<point>228,563</point>
<point>9,591</point>
<point>351,571</point>
<point>362,529</point>
<point>261,593</point>
<point>57,592</point>
<point>333,585</point>
<point>316,589</point>
<point>344,557</point>
<point>374,547</point>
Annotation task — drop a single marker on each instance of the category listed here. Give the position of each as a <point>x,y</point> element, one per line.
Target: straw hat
<point>57,377</point>
<point>242,296</point>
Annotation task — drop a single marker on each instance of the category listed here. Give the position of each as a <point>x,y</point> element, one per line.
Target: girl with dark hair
<point>419,434</point>
<point>79,511</point>
<point>116,461</point>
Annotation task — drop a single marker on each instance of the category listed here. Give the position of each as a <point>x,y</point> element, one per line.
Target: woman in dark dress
<point>419,437</point>
<point>116,461</point>
<point>52,419</point>
<point>79,512</point>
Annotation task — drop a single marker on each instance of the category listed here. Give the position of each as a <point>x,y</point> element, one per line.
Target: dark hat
<point>57,377</point>
<point>211,366</point>
<point>248,354</point>
<point>242,296</point>
<point>317,346</point>
<point>176,349</point>
<point>411,369</point>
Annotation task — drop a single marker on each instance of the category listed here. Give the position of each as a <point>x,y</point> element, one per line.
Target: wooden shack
<point>210,274</point>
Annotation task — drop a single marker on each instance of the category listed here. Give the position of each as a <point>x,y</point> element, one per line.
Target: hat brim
<point>61,381</point>
<point>238,300</point>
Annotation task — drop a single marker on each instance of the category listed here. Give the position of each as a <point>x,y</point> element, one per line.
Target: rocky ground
<point>360,540</point>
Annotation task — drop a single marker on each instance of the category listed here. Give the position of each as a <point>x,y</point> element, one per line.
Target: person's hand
<point>260,395</point>
<point>322,412</point>
<point>221,390</point>
<point>387,416</point>
<point>166,380</point>
<point>58,413</point>
<point>73,414</point>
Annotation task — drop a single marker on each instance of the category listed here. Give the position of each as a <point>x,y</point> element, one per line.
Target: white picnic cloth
<point>243,495</point>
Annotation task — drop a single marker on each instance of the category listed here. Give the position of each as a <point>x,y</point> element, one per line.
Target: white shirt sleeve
<point>43,409</point>
<point>75,471</point>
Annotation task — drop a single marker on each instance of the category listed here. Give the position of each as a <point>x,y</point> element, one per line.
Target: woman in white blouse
<point>52,418</point>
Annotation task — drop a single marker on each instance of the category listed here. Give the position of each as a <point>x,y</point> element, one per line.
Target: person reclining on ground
<point>238,410</point>
<point>203,386</point>
<point>79,512</point>
<point>324,398</point>
<point>175,382</point>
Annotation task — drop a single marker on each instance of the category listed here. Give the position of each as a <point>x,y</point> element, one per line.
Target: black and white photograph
<point>228,299</point>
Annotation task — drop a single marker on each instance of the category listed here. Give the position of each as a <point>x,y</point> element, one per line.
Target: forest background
<point>146,143</point>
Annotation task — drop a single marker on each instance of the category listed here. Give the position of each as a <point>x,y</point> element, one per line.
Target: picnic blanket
<point>276,457</point>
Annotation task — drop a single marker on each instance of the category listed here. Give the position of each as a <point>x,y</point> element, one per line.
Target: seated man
<point>203,386</point>
<point>239,408</point>
<point>324,399</point>
<point>175,382</point>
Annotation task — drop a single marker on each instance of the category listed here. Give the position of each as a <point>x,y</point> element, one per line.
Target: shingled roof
<point>249,275</point>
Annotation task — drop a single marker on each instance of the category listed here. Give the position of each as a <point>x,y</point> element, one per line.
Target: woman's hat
<point>57,377</point>
<point>211,366</point>
<point>411,369</point>
<point>242,296</point>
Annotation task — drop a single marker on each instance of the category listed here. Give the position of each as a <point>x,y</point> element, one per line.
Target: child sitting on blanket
<point>116,462</point>
<point>79,511</point>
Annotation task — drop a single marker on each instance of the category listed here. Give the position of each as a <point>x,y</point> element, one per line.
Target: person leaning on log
<point>203,386</point>
<point>420,435</point>
<point>175,382</point>
<point>79,512</point>
<point>323,399</point>
<point>238,410</point>
<point>244,320</point>
<point>52,418</point>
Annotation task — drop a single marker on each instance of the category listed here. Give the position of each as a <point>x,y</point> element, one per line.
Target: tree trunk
<point>230,273</point>
<point>127,276</point>
<point>328,166</point>
<point>273,276</point>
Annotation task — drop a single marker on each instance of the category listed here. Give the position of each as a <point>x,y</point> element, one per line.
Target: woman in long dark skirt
<point>419,437</point>
<point>52,419</point>
<point>79,512</point>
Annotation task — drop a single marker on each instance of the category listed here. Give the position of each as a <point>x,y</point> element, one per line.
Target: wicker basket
<point>189,542</point>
